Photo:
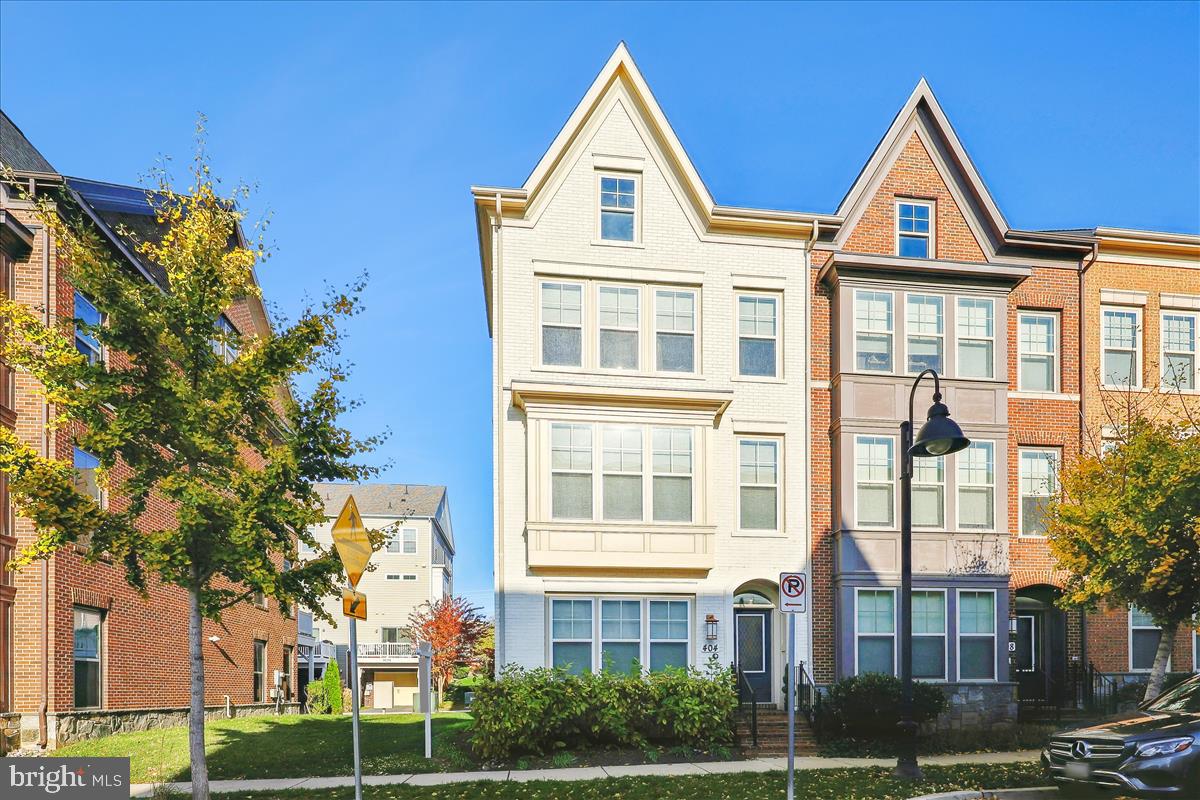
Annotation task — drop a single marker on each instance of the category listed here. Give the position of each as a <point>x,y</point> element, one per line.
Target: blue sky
<point>363,126</point>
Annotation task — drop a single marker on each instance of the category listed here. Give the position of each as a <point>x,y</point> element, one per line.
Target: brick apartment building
<point>81,653</point>
<point>917,267</point>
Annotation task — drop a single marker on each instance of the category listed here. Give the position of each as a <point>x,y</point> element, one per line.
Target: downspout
<point>44,705</point>
<point>497,333</point>
<point>808,445</point>
<point>1083,434</point>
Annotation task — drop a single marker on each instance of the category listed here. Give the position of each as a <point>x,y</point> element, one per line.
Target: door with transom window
<point>753,652</point>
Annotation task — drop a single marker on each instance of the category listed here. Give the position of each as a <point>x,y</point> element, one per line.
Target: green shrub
<point>868,706</point>
<point>544,710</point>
<point>333,686</point>
<point>316,698</point>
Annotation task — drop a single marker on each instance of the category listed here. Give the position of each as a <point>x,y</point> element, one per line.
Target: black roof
<point>18,153</point>
<point>125,215</point>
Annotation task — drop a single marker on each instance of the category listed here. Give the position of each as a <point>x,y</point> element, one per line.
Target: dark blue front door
<point>754,651</point>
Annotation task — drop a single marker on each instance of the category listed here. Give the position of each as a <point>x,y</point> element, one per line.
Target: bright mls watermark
<point>68,778</point>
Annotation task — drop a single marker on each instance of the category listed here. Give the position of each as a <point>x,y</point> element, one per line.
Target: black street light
<point>939,436</point>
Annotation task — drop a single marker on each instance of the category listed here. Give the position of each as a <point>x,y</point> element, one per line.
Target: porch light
<point>710,626</point>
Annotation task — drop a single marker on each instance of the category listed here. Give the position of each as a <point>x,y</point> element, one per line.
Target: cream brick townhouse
<point>649,360</point>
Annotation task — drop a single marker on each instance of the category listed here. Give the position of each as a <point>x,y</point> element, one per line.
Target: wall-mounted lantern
<point>710,626</point>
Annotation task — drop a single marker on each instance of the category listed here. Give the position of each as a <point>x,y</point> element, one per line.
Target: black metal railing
<point>808,697</point>
<point>747,692</point>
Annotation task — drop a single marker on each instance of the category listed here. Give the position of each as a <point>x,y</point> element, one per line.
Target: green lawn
<point>830,784</point>
<point>289,746</point>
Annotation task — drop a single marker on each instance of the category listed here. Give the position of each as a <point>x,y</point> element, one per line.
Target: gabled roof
<point>400,500</point>
<point>18,154</point>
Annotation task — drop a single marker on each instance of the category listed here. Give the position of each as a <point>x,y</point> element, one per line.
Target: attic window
<point>618,206</point>
<point>914,229</point>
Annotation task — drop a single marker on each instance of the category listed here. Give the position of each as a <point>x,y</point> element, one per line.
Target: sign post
<point>354,549</point>
<point>425,687</point>
<point>792,598</point>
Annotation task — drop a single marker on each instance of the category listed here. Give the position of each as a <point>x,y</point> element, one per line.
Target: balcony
<point>566,546</point>
<point>387,651</point>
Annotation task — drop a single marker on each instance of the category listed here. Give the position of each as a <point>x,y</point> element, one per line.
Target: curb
<point>1030,793</point>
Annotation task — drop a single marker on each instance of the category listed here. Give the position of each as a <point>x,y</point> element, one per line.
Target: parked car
<point>1151,752</point>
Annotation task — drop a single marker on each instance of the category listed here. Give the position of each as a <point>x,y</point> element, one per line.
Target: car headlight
<point>1164,747</point>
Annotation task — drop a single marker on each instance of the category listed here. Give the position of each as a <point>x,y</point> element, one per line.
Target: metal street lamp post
<point>939,436</point>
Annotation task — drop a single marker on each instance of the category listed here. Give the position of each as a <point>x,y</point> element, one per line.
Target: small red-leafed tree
<point>453,628</point>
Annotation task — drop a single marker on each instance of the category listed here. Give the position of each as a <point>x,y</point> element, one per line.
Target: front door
<point>754,653</point>
<point>1031,677</point>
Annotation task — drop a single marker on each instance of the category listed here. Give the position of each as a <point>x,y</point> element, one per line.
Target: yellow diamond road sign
<point>350,538</point>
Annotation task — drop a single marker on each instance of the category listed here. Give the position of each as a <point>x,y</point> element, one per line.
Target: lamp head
<point>940,435</point>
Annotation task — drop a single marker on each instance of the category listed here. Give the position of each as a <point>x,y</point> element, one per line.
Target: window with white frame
<point>977,486</point>
<point>570,471</point>
<point>571,635</point>
<point>675,330</point>
<point>393,542</point>
<point>914,229</point>
<point>875,631</point>
<point>671,466</point>
<point>1037,475</point>
<point>758,336</point>
<point>874,324</point>
<point>622,469</point>
<point>224,344</point>
<point>618,321</point>
<point>975,325</point>
<point>562,324</point>
<point>1121,346</point>
<point>393,576</point>
<point>758,484</point>
<point>1179,344</point>
<point>875,480</point>
<point>1037,345</point>
<point>976,635</point>
<point>929,492</point>
<point>620,635</point>
<point>88,320</point>
<point>618,208</point>
<point>925,332</point>
<point>410,541</point>
<point>1144,636</point>
<point>669,628</point>
<point>929,634</point>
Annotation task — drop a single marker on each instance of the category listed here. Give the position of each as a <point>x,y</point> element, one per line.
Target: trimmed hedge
<point>868,706</point>
<point>542,710</point>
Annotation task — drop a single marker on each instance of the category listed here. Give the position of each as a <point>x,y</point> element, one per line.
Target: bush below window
<point>543,710</point>
<point>868,706</point>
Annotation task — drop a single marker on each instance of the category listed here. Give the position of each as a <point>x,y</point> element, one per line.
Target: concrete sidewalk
<point>583,773</point>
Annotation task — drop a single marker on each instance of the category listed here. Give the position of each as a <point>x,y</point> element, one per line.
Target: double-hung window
<point>622,468</point>
<point>675,330</point>
<point>914,229</point>
<point>668,634</point>
<point>758,484</point>
<point>875,631</point>
<point>873,331</point>
<point>260,671</point>
<point>758,336</point>
<point>672,474</point>
<point>1037,343</point>
<point>618,209</point>
<point>88,642</point>
<point>618,320</point>
<point>1037,477</point>
<point>925,342</point>
<point>976,635</point>
<point>1144,636</point>
<point>571,471</point>
<point>977,486</point>
<point>224,344</point>
<point>929,634</point>
<point>620,635</point>
<point>87,320</point>
<point>87,467</point>
<point>1120,346</point>
<point>571,635</point>
<point>929,492</point>
<point>410,541</point>
<point>975,322</point>
<point>875,480</point>
<point>1179,344</point>
<point>562,324</point>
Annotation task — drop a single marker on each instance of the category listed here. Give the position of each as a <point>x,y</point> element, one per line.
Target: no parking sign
<point>793,592</point>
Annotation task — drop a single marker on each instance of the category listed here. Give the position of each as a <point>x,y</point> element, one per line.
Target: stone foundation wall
<point>68,727</point>
<point>978,707</point>
<point>10,732</point>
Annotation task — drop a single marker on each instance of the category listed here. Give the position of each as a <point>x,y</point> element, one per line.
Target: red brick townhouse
<point>81,654</point>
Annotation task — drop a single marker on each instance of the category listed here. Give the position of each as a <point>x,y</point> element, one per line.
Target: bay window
<point>929,492</point>
<point>976,337</point>
<point>875,480</point>
<point>977,486</point>
<point>618,320</point>
<point>571,471</point>
<point>875,631</point>
<point>976,635</point>
<point>924,332</point>
<point>672,471</point>
<point>873,331</point>
<point>622,468</point>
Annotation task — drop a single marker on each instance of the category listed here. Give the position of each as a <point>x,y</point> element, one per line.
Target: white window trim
<point>582,326</point>
<point>1056,321</point>
<point>1033,630</point>
<point>392,576</point>
<point>416,536</point>
<point>945,634</point>
<point>908,335</point>
<point>1129,628</point>
<point>636,214</point>
<point>636,329</point>
<point>1138,345</point>
<point>647,490</point>
<point>780,526</point>
<point>1163,351</point>
<point>895,626</point>
<point>648,508</point>
<point>959,636</point>
<point>893,483</point>
<point>959,484</point>
<point>601,640</point>
<point>409,576</point>
<point>944,484</point>
<point>777,338</point>
<point>550,638</point>
<point>960,337</point>
<point>1056,460</point>
<point>597,629</point>
<point>652,314</point>
<point>890,333</point>
<point>912,201</point>
<point>551,471</point>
